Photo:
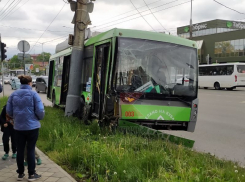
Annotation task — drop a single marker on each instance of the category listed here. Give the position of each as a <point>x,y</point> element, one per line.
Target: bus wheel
<point>217,86</point>
<point>53,100</point>
<point>205,87</point>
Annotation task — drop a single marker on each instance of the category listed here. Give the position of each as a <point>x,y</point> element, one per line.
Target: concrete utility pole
<point>191,22</point>
<point>81,21</point>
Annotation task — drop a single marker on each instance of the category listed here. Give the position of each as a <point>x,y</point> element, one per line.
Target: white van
<point>228,75</point>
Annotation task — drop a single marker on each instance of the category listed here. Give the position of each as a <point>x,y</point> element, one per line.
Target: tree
<point>44,57</point>
<point>15,63</point>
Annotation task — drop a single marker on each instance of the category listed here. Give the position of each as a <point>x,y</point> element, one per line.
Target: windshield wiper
<point>190,66</point>
<point>178,98</point>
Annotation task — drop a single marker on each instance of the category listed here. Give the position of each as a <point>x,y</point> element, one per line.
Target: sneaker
<point>5,157</point>
<point>34,177</point>
<point>25,163</point>
<point>14,156</point>
<point>39,161</point>
<point>20,177</point>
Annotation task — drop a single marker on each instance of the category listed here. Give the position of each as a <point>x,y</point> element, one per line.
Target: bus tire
<point>217,86</point>
<point>53,100</point>
<point>205,87</point>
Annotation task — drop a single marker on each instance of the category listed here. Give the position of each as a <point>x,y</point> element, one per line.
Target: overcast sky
<point>27,19</point>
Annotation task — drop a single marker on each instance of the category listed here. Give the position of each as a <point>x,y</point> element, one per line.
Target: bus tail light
<point>235,78</point>
<point>195,105</point>
<point>186,80</point>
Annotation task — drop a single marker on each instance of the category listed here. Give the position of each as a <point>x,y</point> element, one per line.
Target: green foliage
<point>92,154</point>
<point>15,63</point>
<point>44,56</point>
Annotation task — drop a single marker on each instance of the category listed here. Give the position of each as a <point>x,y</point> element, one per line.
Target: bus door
<point>50,78</point>
<point>99,78</point>
<point>65,79</point>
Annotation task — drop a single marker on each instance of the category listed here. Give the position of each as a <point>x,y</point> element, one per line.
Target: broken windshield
<point>156,67</point>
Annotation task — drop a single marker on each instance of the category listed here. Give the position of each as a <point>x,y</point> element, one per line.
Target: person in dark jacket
<point>8,132</point>
<point>26,108</point>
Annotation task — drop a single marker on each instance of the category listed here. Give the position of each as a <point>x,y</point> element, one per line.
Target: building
<point>217,40</point>
<point>41,65</point>
<point>34,57</point>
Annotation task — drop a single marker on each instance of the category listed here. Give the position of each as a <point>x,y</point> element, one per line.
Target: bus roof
<point>65,52</point>
<point>139,34</point>
<point>223,64</point>
<point>127,33</point>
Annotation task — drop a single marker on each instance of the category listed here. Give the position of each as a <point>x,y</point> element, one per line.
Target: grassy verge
<point>93,155</point>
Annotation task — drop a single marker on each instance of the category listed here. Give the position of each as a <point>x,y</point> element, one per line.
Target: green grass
<point>90,154</point>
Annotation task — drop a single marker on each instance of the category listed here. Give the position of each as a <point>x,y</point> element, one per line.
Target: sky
<point>45,23</point>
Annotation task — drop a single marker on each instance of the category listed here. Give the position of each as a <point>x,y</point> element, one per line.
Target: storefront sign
<point>196,27</point>
<point>238,25</point>
<point>186,29</point>
<point>199,27</point>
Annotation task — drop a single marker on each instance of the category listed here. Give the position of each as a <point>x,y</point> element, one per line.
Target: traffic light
<point>3,51</point>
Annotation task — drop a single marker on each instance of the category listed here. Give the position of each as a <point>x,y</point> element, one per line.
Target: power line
<point>13,7</point>
<point>66,2</point>
<point>22,5</point>
<point>4,6</point>
<point>135,14</point>
<point>49,25</point>
<point>133,10</point>
<point>31,29</point>
<point>142,16</point>
<point>155,16</point>
<point>7,7</point>
<point>229,7</point>
<point>56,39</point>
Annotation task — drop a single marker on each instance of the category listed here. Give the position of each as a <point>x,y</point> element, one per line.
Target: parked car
<point>42,84</point>
<point>6,80</point>
<point>15,83</point>
<point>33,80</point>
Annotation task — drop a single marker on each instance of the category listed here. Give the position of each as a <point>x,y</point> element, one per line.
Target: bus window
<point>152,67</point>
<point>88,64</point>
<point>58,71</point>
<point>230,70</point>
<point>241,68</point>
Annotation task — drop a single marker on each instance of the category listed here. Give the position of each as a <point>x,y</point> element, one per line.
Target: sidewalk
<point>50,171</point>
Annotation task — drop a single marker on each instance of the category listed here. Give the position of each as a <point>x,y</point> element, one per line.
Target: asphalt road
<point>220,127</point>
<point>8,91</point>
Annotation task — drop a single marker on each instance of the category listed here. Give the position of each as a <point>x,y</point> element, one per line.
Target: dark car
<point>42,84</point>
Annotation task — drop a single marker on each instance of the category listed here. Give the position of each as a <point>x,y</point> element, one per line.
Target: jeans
<point>9,132</point>
<point>28,138</point>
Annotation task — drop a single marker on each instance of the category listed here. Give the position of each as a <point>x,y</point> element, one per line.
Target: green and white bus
<point>133,76</point>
